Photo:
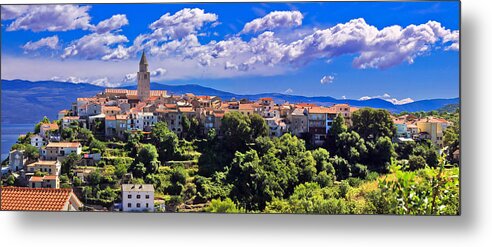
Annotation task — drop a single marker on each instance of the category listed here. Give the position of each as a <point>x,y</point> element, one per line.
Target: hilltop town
<point>91,151</point>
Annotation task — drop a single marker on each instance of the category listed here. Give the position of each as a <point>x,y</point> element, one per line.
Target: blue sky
<point>392,50</point>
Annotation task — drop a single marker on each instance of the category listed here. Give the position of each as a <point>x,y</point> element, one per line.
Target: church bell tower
<point>143,75</point>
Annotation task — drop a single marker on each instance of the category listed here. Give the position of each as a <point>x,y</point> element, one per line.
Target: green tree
<point>343,170</point>
<point>69,162</point>
<point>350,146</point>
<point>225,206</point>
<point>258,126</point>
<point>237,131</point>
<point>178,181</point>
<point>338,127</point>
<point>373,123</point>
<point>94,178</point>
<point>68,134</point>
<point>381,154</point>
<point>322,158</point>
<point>416,162</point>
<point>10,180</point>
<point>148,156</point>
<point>251,184</point>
<point>77,182</point>
<point>165,141</point>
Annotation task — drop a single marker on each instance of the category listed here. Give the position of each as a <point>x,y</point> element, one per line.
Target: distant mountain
<point>451,108</point>
<point>27,102</point>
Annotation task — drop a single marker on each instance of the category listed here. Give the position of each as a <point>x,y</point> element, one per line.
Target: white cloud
<point>72,79</point>
<point>388,98</point>
<point>105,82</point>
<point>9,12</point>
<point>120,53</point>
<point>113,23</point>
<point>94,46</point>
<point>327,79</point>
<point>158,73</point>
<point>132,77</point>
<point>400,102</point>
<point>344,97</point>
<point>51,18</point>
<point>49,42</point>
<point>288,91</point>
<point>181,24</point>
<point>274,20</point>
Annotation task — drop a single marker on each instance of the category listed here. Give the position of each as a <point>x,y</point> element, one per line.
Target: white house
<point>137,197</point>
<point>149,120</point>
<point>37,141</point>
<point>141,120</point>
<point>54,150</point>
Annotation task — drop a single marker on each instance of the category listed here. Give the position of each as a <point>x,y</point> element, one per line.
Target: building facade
<point>137,197</point>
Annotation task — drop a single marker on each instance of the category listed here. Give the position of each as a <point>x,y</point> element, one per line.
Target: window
<point>146,205</point>
<point>129,205</point>
<point>138,205</point>
<point>138,196</point>
<point>147,196</point>
<point>129,196</point>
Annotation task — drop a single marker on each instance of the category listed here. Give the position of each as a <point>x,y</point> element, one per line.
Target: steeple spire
<point>143,59</point>
<point>143,63</point>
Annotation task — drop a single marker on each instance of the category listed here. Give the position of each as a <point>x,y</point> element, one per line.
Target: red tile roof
<point>36,179</point>
<point>186,109</point>
<point>71,118</point>
<point>63,144</point>
<point>49,126</point>
<point>34,199</point>
<point>246,107</point>
<point>321,110</point>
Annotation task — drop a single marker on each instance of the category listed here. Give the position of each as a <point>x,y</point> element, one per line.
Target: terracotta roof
<point>63,144</point>
<point>49,177</point>
<point>71,118</point>
<point>34,199</point>
<point>321,110</point>
<point>246,107</point>
<point>85,99</point>
<point>341,105</point>
<point>49,126</point>
<point>115,91</point>
<point>266,98</point>
<point>110,118</point>
<point>44,163</point>
<point>304,105</point>
<point>170,106</point>
<point>63,111</point>
<point>112,108</point>
<point>36,179</point>
<point>186,109</point>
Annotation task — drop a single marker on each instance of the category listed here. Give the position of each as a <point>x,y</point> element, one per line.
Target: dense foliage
<point>359,169</point>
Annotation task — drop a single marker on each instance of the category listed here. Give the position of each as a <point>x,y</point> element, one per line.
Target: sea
<point>10,133</point>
